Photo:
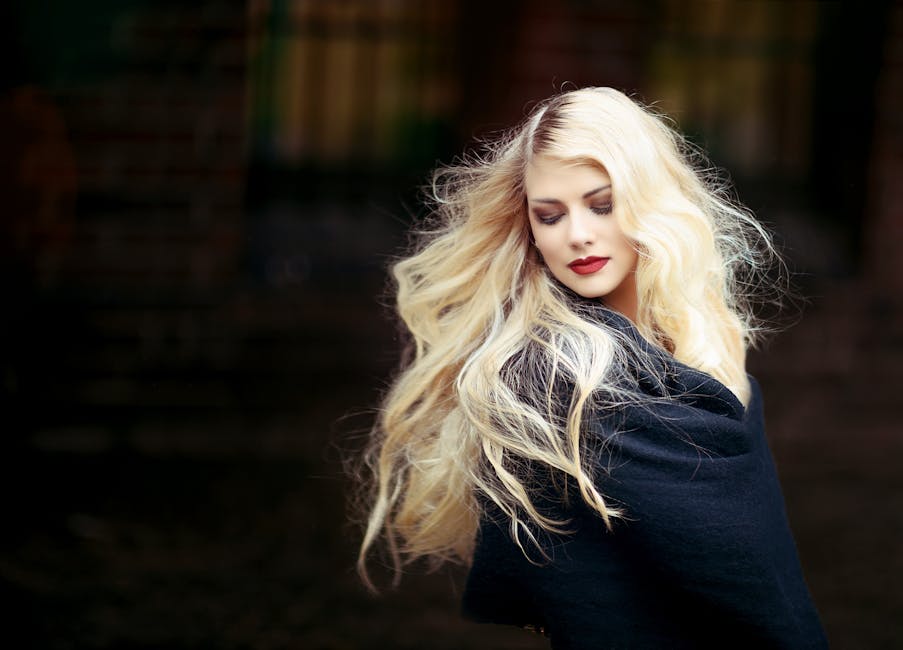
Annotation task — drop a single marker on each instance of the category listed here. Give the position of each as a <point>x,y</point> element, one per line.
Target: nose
<point>580,231</point>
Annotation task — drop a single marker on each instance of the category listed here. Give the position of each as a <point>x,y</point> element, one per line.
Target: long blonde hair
<point>494,336</point>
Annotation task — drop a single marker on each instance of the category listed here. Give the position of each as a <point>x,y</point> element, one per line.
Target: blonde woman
<point>575,421</point>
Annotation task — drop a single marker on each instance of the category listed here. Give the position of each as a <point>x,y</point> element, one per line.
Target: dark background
<point>199,204</point>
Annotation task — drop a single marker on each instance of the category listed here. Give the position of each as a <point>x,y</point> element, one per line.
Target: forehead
<point>549,177</point>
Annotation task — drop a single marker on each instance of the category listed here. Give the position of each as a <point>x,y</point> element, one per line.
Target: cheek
<point>634,257</point>
<point>625,245</point>
<point>537,236</point>
<point>544,244</point>
<point>627,253</point>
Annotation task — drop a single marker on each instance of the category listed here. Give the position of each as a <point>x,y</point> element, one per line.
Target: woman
<point>575,421</point>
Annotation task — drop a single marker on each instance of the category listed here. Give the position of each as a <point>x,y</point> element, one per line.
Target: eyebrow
<point>585,196</point>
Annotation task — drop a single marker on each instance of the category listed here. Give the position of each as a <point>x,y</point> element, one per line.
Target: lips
<point>587,265</point>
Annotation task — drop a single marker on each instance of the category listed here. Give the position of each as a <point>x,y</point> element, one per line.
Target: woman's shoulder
<point>661,378</point>
<point>672,408</point>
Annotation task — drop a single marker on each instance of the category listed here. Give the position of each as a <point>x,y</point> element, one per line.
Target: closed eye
<point>549,219</point>
<point>602,209</point>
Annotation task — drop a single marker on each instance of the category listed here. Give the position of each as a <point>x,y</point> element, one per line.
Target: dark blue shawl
<point>704,558</point>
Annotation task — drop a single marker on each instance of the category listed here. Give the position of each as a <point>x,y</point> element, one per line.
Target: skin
<point>572,217</point>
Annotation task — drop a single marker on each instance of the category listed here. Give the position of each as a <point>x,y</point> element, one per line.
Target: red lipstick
<point>587,265</point>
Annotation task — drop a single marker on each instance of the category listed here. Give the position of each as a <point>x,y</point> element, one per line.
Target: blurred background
<point>200,201</point>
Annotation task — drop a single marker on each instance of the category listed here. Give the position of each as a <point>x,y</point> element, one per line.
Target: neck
<point>624,299</point>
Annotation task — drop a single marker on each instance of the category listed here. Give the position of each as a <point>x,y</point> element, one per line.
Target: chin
<point>592,295</point>
<point>589,292</point>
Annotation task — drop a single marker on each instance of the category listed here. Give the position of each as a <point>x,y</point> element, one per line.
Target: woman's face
<point>571,213</point>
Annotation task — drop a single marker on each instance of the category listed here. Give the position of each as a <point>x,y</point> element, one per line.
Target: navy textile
<point>705,557</point>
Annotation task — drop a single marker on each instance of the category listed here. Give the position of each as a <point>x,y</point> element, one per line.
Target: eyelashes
<point>603,209</point>
<point>552,219</point>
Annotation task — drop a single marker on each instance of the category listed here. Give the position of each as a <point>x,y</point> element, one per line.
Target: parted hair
<point>492,331</point>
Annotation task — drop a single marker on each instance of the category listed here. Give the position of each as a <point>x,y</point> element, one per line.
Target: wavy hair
<point>479,405</point>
